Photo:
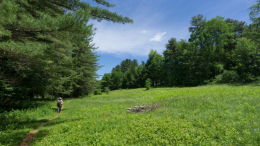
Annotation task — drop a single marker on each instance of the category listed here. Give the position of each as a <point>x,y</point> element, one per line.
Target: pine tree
<point>197,26</point>
<point>45,46</point>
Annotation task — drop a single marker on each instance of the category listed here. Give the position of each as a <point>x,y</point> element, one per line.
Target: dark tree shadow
<point>55,109</point>
<point>15,137</point>
<point>242,84</point>
<point>28,103</point>
<point>172,86</point>
<point>53,123</point>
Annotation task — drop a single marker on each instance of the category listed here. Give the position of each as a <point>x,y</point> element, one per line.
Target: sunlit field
<point>205,115</point>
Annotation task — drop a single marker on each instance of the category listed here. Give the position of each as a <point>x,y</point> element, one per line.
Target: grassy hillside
<point>15,124</point>
<point>206,115</point>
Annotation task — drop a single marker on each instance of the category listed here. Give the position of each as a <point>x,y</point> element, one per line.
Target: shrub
<point>208,82</point>
<point>227,77</point>
<point>98,92</point>
<point>257,80</point>
<point>48,96</point>
<point>106,89</point>
<point>148,84</point>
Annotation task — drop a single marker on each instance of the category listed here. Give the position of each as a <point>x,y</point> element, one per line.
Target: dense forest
<point>46,49</point>
<point>218,51</point>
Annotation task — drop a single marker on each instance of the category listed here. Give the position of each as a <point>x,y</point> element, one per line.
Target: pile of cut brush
<point>143,109</point>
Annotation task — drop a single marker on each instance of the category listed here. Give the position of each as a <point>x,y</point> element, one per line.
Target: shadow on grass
<point>15,137</point>
<point>53,123</point>
<point>241,84</point>
<point>172,86</point>
<point>155,87</point>
<point>161,86</point>
<point>229,84</point>
<point>22,104</point>
<point>55,109</point>
<point>31,124</point>
<point>28,104</point>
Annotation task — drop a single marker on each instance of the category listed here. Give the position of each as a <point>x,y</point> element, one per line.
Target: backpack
<point>59,103</point>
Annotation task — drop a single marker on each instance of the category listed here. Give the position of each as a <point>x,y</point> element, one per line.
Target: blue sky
<point>155,22</point>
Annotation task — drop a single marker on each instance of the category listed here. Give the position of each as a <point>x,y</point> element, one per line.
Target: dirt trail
<point>29,137</point>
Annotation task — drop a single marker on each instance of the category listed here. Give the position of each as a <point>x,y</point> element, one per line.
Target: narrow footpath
<point>29,137</point>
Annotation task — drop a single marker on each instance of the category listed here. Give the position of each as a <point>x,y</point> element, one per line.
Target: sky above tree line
<point>155,22</point>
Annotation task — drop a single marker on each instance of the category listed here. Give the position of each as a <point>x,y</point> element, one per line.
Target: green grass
<point>14,125</point>
<point>205,115</point>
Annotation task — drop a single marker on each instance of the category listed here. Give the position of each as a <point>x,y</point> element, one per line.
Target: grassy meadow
<point>15,124</point>
<point>204,115</point>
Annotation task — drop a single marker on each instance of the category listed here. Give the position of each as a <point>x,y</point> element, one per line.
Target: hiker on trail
<point>59,104</point>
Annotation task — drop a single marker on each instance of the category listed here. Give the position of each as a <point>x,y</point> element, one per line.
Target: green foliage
<point>148,84</point>
<point>227,77</point>
<point>214,45</point>
<point>154,66</point>
<point>244,59</point>
<point>98,92</point>
<point>65,128</point>
<point>15,124</point>
<point>126,75</point>
<point>197,25</point>
<point>127,64</point>
<point>46,48</point>
<point>106,80</point>
<point>207,82</point>
<point>254,12</point>
<point>257,80</point>
<point>107,90</point>
<point>116,79</point>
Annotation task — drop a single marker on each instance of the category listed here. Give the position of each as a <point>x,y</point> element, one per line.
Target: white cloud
<point>121,39</point>
<point>143,31</point>
<point>158,37</point>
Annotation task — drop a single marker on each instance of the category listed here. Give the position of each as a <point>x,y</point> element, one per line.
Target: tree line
<point>218,51</point>
<point>46,48</point>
